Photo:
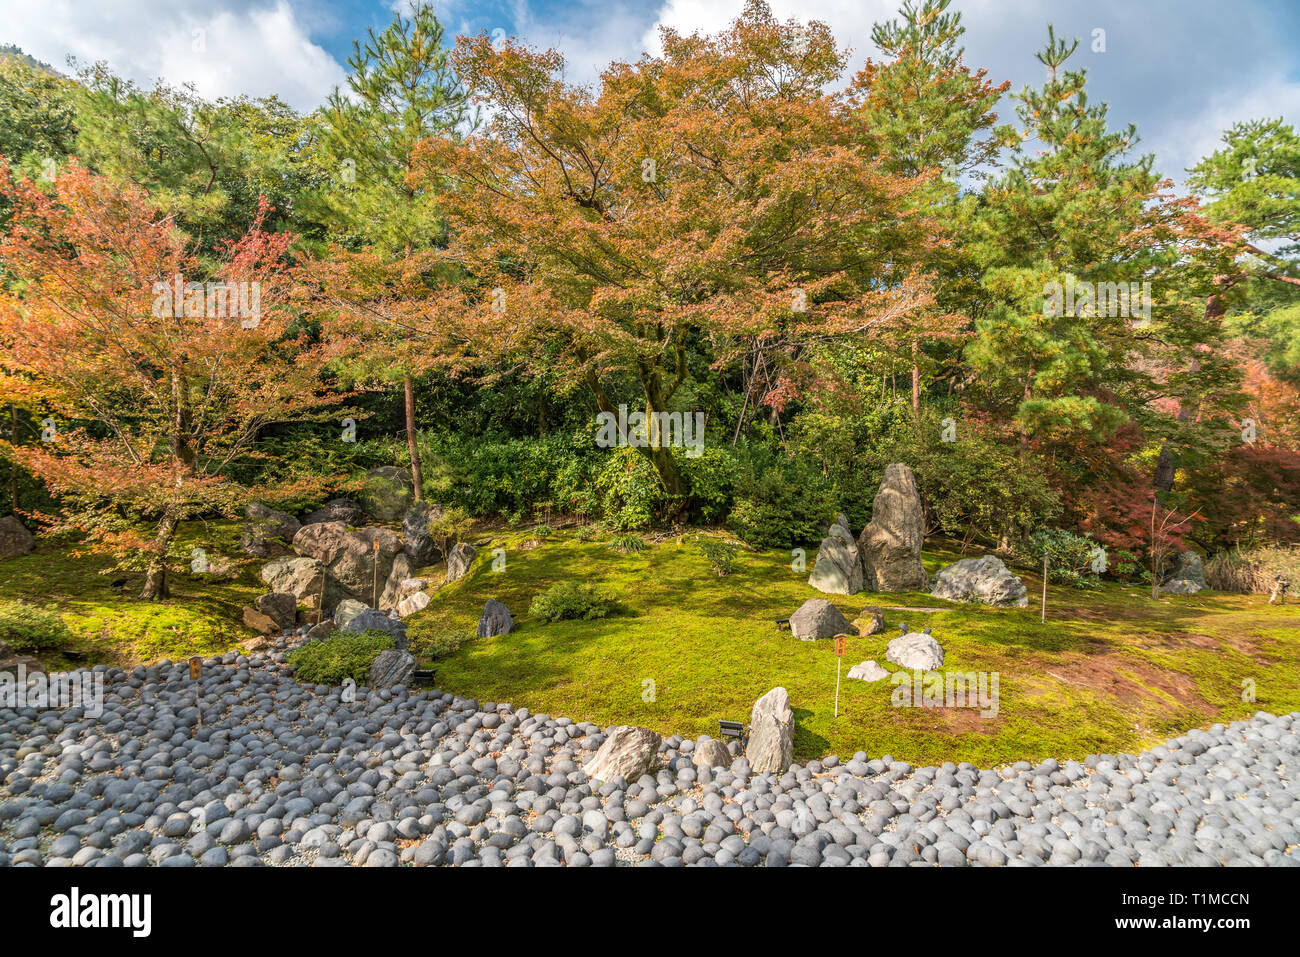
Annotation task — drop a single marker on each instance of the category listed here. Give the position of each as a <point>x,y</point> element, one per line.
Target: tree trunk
<point>13,465</point>
<point>155,577</point>
<point>916,379</point>
<point>417,470</point>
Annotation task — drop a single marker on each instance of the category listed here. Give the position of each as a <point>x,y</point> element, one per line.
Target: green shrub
<point>26,626</point>
<point>338,657</point>
<point>570,600</point>
<point>722,556</point>
<point>449,526</point>
<point>782,505</point>
<point>628,543</point>
<point>1069,556</point>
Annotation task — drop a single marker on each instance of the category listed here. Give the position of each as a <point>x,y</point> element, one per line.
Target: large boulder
<point>348,609</point>
<point>420,545</point>
<point>336,510</point>
<point>771,733</point>
<point>627,753</point>
<point>389,493</point>
<point>838,569</point>
<point>371,620</point>
<point>280,607</point>
<point>10,661</point>
<point>496,620</point>
<point>391,668</point>
<point>304,578</point>
<point>15,539</point>
<point>890,545</point>
<point>266,527</point>
<point>984,580</point>
<point>1179,586</point>
<point>1187,567</point>
<point>259,622</point>
<point>458,560</point>
<point>408,605</point>
<point>358,559</point>
<point>915,652</point>
<point>817,618</point>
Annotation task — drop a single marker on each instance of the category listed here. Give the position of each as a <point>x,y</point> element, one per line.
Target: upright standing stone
<point>495,620</point>
<point>771,733</point>
<point>458,560</point>
<point>891,543</point>
<point>838,569</point>
<point>14,538</point>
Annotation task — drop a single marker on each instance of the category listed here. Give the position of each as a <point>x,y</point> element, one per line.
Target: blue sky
<point>1182,70</point>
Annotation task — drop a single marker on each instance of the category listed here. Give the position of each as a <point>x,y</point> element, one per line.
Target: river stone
<point>890,545</point>
<point>458,560</point>
<point>985,580</point>
<point>916,652</point>
<point>265,527</point>
<point>867,671</point>
<point>771,733</point>
<point>838,569</point>
<point>389,493</point>
<point>15,539</point>
<point>710,753</point>
<point>817,618</point>
<point>391,668</point>
<point>495,620</point>
<point>628,752</point>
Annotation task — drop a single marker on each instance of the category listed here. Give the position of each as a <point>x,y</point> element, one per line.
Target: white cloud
<point>246,47</point>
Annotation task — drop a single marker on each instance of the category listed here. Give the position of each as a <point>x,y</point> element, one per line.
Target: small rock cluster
<point>248,767</point>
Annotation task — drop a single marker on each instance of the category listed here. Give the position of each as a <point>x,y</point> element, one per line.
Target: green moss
<point>1111,670</point>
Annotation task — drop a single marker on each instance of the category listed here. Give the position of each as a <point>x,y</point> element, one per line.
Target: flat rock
<point>867,671</point>
<point>916,652</point>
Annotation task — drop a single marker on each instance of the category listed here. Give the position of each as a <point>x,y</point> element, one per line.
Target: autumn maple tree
<point>158,367</point>
<point>693,205</point>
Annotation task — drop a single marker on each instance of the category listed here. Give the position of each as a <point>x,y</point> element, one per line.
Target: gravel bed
<point>270,772</point>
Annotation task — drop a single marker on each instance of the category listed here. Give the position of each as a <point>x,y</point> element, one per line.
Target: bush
<point>722,556</point>
<point>449,526</point>
<point>338,657</point>
<point>781,504</point>
<point>26,626</point>
<point>1069,556</point>
<point>1253,572</point>
<point>570,600</point>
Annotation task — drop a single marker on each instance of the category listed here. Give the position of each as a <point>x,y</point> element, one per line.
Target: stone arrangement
<point>278,773</point>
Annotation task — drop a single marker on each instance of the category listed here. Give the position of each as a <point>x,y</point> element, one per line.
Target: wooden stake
<point>1044,587</point>
<point>375,591</point>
